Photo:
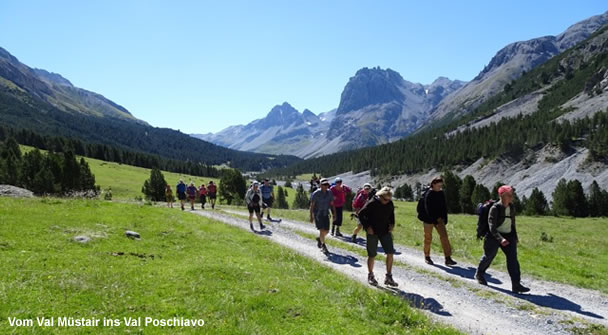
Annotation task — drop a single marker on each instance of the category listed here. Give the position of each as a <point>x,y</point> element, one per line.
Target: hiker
<point>191,190</point>
<point>321,202</point>
<point>314,184</point>
<point>202,193</point>
<point>378,220</point>
<point>212,193</point>
<point>502,234</point>
<point>267,198</point>
<point>181,192</point>
<point>433,212</point>
<point>339,191</point>
<point>169,196</point>
<point>253,197</point>
<point>358,202</point>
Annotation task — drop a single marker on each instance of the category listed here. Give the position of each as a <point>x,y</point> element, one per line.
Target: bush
<point>232,186</point>
<point>281,200</point>
<point>154,188</point>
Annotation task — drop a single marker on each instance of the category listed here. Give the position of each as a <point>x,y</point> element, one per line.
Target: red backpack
<point>359,200</point>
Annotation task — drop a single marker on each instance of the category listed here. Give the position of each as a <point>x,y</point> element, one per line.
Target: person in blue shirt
<point>267,198</point>
<point>180,189</point>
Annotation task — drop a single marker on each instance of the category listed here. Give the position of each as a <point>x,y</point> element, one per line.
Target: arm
<point>248,197</point>
<point>391,223</point>
<point>312,207</point>
<point>513,220</point>
<point>493,223</point>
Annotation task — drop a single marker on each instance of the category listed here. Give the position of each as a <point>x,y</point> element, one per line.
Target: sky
<point>200,66</point>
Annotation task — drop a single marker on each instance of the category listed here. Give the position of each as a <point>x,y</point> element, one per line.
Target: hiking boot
<point>262,226</point>
<point>251,226</point>
<point>519,288</point>
<point>192,208</point>
<point>449,261</point>
<point>212,206</point>
<point>388,280</point>
<point>319,244</point>
<point>333,231</point>
<point>268,218</point>
<point>480,279</point>
<point>324,249</point>
<point>338,233</point>
<point>182,208</point>
<point>354,238</point>
<point>428,260</point>
<point>371,279</point>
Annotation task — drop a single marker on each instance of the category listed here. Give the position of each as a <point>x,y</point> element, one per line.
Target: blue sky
<point>200,66</point>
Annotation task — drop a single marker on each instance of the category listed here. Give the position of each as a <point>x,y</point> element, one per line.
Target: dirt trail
<point>448,294</point>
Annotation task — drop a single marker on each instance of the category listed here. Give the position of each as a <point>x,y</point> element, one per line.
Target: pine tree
<point>536,204</point>
<point>466,193</point>
<point>578,206</point>
<point>452,185</point>
<point>301,200</point>
<point>154,188</point>
<point>87,179</point>
<point>281,200</point>
<point>480,194</point>
<point>598,201</point>
<point>70,180</point>
<point>560,198</point>
<point>232,186</point>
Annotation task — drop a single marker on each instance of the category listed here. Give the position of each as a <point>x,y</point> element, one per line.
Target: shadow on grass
<point>343,260</point>
<point>550,301</point>
<point>418,301</point>
<point>468,273</point>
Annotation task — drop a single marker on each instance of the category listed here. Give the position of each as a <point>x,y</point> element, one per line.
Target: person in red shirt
<point>212,193</point>
<point>202,192</point>
<point>339,191</point>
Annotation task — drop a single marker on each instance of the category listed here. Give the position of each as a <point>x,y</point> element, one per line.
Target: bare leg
<point>370,264</point>
<point>389,263</point>
<point>322,234</point>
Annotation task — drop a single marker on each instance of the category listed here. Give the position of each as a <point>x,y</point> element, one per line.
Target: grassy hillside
<point>183,266</point>
<point>577,255</point>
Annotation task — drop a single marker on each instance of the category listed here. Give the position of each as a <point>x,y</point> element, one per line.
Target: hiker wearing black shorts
<point>502,235</point>
<point>253,197</point>
<point>378,220</point>
<point>321,202</point>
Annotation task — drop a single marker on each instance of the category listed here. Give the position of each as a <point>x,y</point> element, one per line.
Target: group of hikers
<point>376,216</point>
<point>190,192</point>
<point>375,213</point>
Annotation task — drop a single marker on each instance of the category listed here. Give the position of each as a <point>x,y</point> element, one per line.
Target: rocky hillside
<point>510,63</point>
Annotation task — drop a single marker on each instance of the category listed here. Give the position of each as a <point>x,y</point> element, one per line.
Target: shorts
<point>386,241</point>
<point>322,222</point>
<point>181,196</point>
<point>212,196</point>
<point>252,209</point>
<point>267,202</point>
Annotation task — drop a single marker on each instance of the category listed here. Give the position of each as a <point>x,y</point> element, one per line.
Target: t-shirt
<point>340,195</point>
<point>181,188</point>
<point>505,228</point>
<point>322,201</point>
<point>266,191</point>
<point>211,188</point>
<point>255,201</point>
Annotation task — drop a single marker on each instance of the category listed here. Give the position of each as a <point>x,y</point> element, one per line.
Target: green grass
<point>184,265</point>
<point>578,254</point>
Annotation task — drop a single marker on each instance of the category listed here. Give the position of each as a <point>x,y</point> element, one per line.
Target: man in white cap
<point>378,219</point>
<point>321,202</point>
<point>253,197</point>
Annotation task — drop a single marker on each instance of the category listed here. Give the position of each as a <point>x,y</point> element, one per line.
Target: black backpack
<point>421,208</point>
<point>483,211</point>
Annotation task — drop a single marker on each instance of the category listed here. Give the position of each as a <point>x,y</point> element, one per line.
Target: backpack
<point>421,208</point>
<point>359,200</point>
<point>483,211</point>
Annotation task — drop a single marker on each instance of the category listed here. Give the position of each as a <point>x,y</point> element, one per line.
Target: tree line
<point>107,153</point>
<point>48,173</point>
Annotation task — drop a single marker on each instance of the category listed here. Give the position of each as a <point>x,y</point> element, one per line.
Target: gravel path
<point>448,294</point>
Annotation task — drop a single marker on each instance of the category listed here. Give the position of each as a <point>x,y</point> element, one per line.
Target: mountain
<point>58,91</point>
<point>376,106</point>
<point>550,123</point>
<point>510,63</point>
<point>284,130</point>
<point>48,104</point>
